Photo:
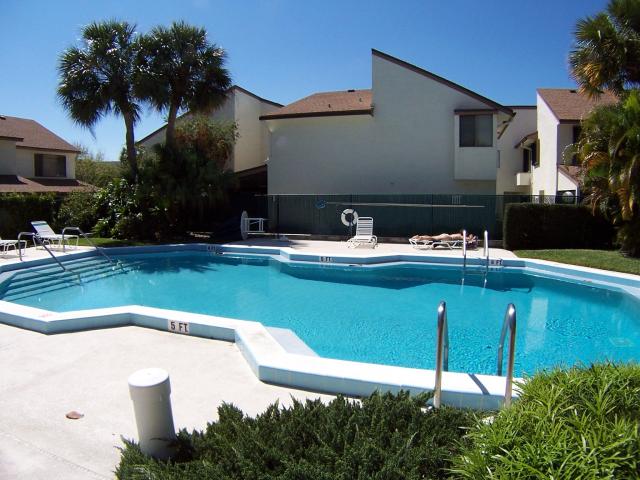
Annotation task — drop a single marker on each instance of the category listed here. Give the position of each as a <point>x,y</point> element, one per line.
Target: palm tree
<point>178,69</point>
<point>606,53</point>
<point>609,148</point>
<point>96,79</point>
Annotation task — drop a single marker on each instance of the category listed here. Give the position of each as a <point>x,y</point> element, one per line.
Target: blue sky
<point>284,50</point>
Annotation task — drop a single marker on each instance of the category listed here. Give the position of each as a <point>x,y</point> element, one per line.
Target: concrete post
<point>150,391</point>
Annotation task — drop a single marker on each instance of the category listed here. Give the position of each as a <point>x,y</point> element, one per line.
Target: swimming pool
<point>383,314</point>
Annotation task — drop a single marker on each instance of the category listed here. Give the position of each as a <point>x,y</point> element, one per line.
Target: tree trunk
<point>131,147</point>
<point>170,137</point>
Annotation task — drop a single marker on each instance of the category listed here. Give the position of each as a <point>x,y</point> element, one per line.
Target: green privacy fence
<point>394,215</point>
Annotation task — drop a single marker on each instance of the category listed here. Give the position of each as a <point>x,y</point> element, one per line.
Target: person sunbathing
<point>444,237</point>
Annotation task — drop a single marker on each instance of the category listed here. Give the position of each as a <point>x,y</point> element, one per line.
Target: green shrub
<point>383,437</point>
<point>125,211</point>
<point>17,210</point>
<point>577,423</point>
<point>78,209</point>
<point>530,226</point>
<point>98,173</point>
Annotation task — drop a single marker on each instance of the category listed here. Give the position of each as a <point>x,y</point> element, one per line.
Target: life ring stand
<point>354,217</point>
<point>243,225</point>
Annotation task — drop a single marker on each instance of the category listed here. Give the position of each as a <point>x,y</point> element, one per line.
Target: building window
<point>50,165</point>
<point>476,130</point>
<point>530,157</point>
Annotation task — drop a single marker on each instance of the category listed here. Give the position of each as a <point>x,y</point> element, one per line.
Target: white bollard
<point>150,391</point>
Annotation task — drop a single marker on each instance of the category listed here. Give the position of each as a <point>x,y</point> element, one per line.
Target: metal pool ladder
<point>509,323</point>
<point>36,239</point>
<point>84,235</point>
<point>485,254</point>
<point>442,353</point>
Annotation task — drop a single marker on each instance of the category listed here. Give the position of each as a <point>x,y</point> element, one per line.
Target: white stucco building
<point>548,168</point>
<point>250,151</point>
<point>34,159</point>
<point>412,132</point>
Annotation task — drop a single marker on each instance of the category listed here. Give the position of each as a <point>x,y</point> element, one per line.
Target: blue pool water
<point>383,315</point>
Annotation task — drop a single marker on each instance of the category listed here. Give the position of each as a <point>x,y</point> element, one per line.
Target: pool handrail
<point>464,249</point>
<point>86,237</point>
<point>36,238</point>
<point>442,353</point>
<point>509,323</point>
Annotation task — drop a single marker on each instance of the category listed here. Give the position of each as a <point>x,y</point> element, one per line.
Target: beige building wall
<point>7,157</point>
<point>521,125</point>
<point>565,139</point>
<point>251,149</point>
<point>544,176</point>
<point>252,146</point>
<point>25,161</point>
<point>316,155</point>
<point>566,182</point>
<point>407,146</point>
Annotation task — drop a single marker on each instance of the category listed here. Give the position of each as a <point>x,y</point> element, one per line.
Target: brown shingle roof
<point>570,105</point>
<point>14,183</point>
<point>345,102</point>
<point>32,135</point>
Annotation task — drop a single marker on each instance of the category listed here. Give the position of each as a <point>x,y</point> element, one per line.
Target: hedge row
<point>384,436</point>
<point>530,226</point>
<point>573,423</point>
<point>17,210</point>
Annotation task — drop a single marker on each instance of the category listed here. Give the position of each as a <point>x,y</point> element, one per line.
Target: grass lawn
<point>109,242</point>
<point>605,259</point>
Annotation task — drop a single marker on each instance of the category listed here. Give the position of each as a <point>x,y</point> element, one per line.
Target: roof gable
<point>238,88</point>
<point>569,105</point>
<point>325,104</point>
<point>425,73</point>
<point>30,134</point>
<point>233,89</point>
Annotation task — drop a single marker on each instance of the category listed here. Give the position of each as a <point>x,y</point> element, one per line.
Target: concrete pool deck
<point>33,253</point>
<point>46,376</point>
<point>323,247</point>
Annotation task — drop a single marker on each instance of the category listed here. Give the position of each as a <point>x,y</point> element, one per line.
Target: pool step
<point>53,278</point>
<point>44,277</point>
<point>54,269</point>
<point>36,275</point>
<point>52,287</point>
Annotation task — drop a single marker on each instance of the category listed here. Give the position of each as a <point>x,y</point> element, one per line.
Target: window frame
<point>476,137</point>
<point>39,165</point>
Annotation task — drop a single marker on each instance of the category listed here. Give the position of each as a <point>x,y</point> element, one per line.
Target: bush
<point>124,211</point>
<point>98,173</point>
<point>17,210</point>
<point>78,209</point>
<point>577,423</point>
<point>383,437</point>
<point>530,226</point>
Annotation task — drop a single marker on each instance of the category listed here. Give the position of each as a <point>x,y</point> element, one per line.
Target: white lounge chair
<point>48,236</point>
<point>364,233</point>
<point>6,245</point>
<point>421,243</point>
<point>455,243</point>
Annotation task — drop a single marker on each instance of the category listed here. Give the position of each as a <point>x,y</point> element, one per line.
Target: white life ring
<point>354,217</point>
